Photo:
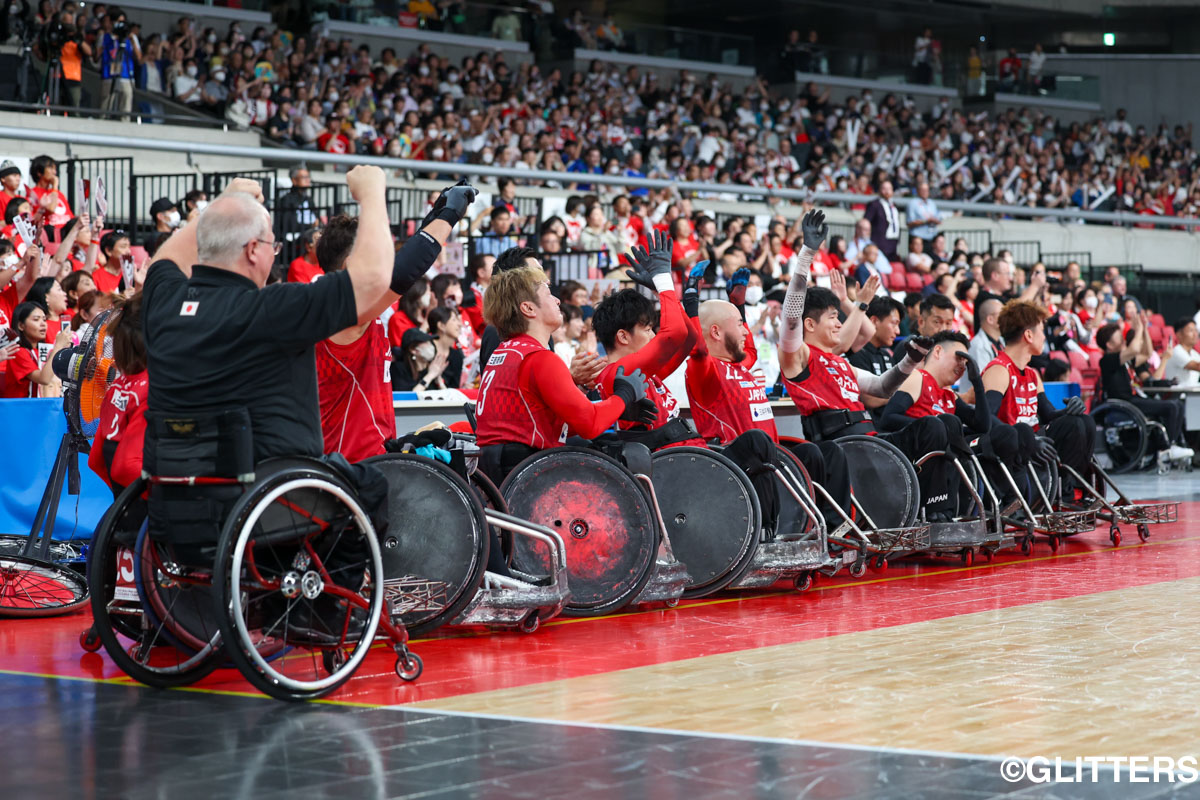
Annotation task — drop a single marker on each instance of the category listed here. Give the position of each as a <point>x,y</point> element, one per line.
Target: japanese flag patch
<point>189,308</point>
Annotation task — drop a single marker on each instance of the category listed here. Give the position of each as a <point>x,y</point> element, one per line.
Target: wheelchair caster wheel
<point>1114,535</point>
<point>881,564</point>
<point>1026,545</point>
<point>527,625</point>
<point>989,555</point>
<point>89,640</point>
<point>333,660</point>
<point>1053,544</point>
<point>674,601</point>
<point>803,582</point>
<point>968,557</point>
<point>1143,531</point>
<point>409,667</point>
<point>858,569</point>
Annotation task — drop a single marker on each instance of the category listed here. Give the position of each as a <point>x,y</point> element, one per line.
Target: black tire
<point>884,481</point>
<point>603,516</point>
<point>712,515</point>
<point>30,587</point>
<point>490,496</point>
<point>154,660</point>
<point>425,495</point>
<point>1123,433</point>
<point>272,523</point>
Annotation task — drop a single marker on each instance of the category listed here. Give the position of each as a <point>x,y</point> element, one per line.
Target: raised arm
<point>793,353</point>
<point>181,247</point>
<point>652,269</point>
<point>369,262</point>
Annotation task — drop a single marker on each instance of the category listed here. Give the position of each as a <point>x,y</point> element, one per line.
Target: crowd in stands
<point>337,97</point>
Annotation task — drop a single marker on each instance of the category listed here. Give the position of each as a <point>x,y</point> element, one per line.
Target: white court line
<point>737,737</point>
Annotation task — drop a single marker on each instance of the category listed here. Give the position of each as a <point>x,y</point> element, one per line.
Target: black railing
<point>120,192</point>
<point>150,188</point>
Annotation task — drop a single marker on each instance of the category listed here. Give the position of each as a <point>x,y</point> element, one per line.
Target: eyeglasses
<point>275,246</point>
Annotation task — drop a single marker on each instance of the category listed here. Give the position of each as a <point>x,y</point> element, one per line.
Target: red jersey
<point>1020,403</point>
<point>122,422</point>
<point>933,399</point>
<point>726,399</point>
<point>302,270</point>
<point>340,144</point>
<point>828,382</point>
<point>105,281</point>
<point>682,250</point>
<point>397,325</point>
<point>8,304</point>
<point>661,356</point>
<point>53,326</point>
<point>474,314</point>
<point>17,371</point>
<point>354,384</point>
<point>527,396</point>
<point>61,213</point>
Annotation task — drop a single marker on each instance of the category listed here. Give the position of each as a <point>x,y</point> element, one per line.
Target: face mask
<point>201,205</point>
<point>219,77</point>
<point>11,260</point>
<point>754,294</point>
<point>333,62</point>
<point>488,158</point>
<point>426,351</point>
<point>452,77</point>
<point>426,300</point>
<point>450,303</point>
<point>173,219</point>
<point>1090,302</point>
<point>438,152</point>
<point>192,71</point>
<point>422,70</point>
<point>333,97</point>
<point>212,38</point>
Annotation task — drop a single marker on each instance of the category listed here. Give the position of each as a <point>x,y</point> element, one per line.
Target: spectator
<point>416,365</point>
<point>498,237</point>
<point>309,127</point>
<point>333,140</point>
<point>871,262</point>
<point>120,53</point>
<point>506,25</point>
<point>186,86</point>
<point>1037,65</point>
<point>598,236</point>
<point>412,312</point>
<point>165,215</point>
<point>1183,366</point>
<point>215,95</point>
<point>1008,71</point>
<point>975,73</point>
<point>305,268</point>
<point>294,212</point>
<point>50,203</point>
<point>923,57</point>
<point>917,259</point>
<point>609,36</point>
<point>115,249</point>
<point>986,343</point>
<point>923,215</point>
<point>885,221</point>
<point>10,183</point>
<point>280,127</point>
<point>26,375</point>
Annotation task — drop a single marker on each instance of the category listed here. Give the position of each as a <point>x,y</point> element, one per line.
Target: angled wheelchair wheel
<point>298,564</point>
<point>712,515</point>
<point>793,517</point>
<point>135,638</point>
<point>884,481</point>
<point>30,587</point>
<point>436,546</point>
<point>59,552</point>
<point>604,519</point>
<point>1122,432</point>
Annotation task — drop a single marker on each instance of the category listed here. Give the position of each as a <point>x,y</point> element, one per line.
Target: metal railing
<point>288,156</point>
<point>135,116</point>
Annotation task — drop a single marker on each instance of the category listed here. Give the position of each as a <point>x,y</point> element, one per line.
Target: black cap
<point>160,205</point>
<point>413,337</point>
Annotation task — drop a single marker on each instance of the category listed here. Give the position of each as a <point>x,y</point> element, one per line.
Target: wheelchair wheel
<point>603,516</point>
<point>299,563</point>
<point>134,638</point>
<point>1123,433</point>
<point>884,481</point>
<point>60,552</point>
<point>430,579</point>
<point>30,587</point>
<point>712,515</point>
<point>793,517</point>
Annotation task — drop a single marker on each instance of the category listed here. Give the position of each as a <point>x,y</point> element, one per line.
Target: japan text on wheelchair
<point>276,566</point>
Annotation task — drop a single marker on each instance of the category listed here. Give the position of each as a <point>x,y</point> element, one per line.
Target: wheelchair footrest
<point>1148,513</point>
<point>1066,522</point>
<point>785,558</point>
<point>883,541</point>
<point>505,601</point>
<point>957,535</point>
<point>667,583</point>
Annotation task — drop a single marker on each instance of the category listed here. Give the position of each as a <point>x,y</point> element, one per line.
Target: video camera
<point>57,34</point>
<point>121,29</point>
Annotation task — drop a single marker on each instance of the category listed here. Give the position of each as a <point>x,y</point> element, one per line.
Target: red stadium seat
<point>916,281</point>
<point>897,279</point>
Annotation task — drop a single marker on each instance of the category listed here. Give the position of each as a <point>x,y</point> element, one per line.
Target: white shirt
<point>1177,367</point>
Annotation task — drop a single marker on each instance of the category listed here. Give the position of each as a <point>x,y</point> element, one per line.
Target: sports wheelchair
<point>1126,440</point>
<point>207,556</point>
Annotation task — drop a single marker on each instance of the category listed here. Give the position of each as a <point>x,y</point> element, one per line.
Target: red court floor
<point>468,661</point>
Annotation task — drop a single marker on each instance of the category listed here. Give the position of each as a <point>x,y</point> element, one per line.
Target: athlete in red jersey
<point>527,397</point>
<point>1015,394</point>
<point>624,324</point>
<point>726,399</point>
<point>827,388</point>
<point>117,448</point>
<point>354,382</point>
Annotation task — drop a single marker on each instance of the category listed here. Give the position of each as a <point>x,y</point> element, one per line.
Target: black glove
<point>1075,406</point>
<point>974,377</point>
<point>814,228</point>
<point>1045,451</point>
<point>691,289</point>
<point>648,264</point>
<point>643,412</point>
<point>451,205</point>
<point>468,300</point>
<point>916,348</point>
<point>632,389</point>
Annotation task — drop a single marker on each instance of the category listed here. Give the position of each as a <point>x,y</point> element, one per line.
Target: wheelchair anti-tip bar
<point>530,530</point>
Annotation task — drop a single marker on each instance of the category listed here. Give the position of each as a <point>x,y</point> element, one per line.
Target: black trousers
<point>1168,412</point>
<point>1074,437</point>
<point>754,452</point>
<point>826,465</point>
<point>926,435</point>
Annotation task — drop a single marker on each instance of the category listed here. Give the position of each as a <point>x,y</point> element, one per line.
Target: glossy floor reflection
<point>86,740</point>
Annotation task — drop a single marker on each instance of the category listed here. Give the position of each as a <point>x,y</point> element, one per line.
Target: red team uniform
<point>117,451</point>
<point>831,384</point>
<point>726,399</point>
<point>1020,403</point>
<point>933,400</point>
<point>355,389</point>
<point>521,380</point>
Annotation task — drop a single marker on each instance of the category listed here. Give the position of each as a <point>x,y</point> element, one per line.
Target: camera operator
<point>119,57</point>
<point>62,46</point>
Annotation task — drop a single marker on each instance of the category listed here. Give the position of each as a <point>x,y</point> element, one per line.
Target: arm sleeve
<point>894,413</point>
<point>884,385</point>
<point>793,302</point>
<point>545,376</point>
<point>413,260</point>
<point>670,346</point>
<point>994,400</point>
<point>1046,411</point>
<point>977,417</point>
